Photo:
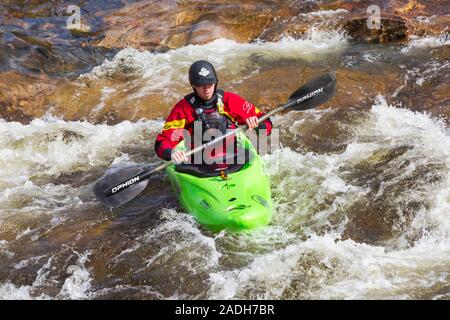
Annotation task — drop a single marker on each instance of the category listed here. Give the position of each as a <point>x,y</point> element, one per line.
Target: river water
<point>362,194</point>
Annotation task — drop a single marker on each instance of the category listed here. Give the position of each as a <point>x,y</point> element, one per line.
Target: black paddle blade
<point>314,93</point>
<point>116,176</point>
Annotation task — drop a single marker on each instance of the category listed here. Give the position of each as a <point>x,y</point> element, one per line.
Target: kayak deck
<point>240,202</point>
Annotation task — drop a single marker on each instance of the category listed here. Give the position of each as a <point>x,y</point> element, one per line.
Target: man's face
<point>205,91</point>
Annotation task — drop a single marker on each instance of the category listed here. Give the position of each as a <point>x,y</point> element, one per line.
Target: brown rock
<point>152,23</point>
<point>391,29</point>
<point>86,99</point>
<point>270,88</point>
<point>399,19</point>
<point>107,100</point>
<point>170,24</point>
<point>23,97</point>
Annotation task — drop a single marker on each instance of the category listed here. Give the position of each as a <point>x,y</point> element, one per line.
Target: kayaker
<point>214,108</point>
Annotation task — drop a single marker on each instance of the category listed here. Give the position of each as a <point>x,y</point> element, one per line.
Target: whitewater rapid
<point>307,252</point>
<point>327,266</point>
<point>362,195</point>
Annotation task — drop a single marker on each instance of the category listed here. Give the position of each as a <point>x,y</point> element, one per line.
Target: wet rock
<point>81,30</point>
<point>297,23</point>
<point>429,25</point>
<point>371,223</point>
<point>116,98</point>
<point>271,87</point>
<point>106,101</point>
<point>391,29</point>
<point>23,97</point>
<point>354,88</point>
<point>434,99</point>
<point>399,19</point>
<point>388,210</point>
<point>397,22</point>
<point>425,87</point>
<point>162,25</point>
<point>38,53</point>
<point>151,24</point>
<point>359,89</point>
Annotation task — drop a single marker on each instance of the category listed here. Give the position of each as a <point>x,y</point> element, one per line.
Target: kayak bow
<point>238,202</point>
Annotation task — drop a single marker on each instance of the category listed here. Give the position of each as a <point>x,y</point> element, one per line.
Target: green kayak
<point>240,200</point>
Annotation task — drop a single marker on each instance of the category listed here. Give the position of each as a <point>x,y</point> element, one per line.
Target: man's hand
<point>179,157</point>
<point>252,122</point>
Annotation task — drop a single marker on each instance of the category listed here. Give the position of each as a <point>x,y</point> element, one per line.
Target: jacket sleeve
<point>242,110</point>
<point>172,133</point>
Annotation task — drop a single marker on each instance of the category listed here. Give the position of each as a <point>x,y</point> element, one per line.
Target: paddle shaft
<point>147,174</point>
<point>164,165</point>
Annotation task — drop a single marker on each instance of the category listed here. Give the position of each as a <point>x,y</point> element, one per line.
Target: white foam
<point>326,14</point>
<point>160,71</point>
<point>182,237</point>
<point>43,272</point>
<point>272,272</point>
<point>416,42</point>
<point>4,250</point>
<point>420,81</point>
<point>429,143</point>
<point>9,291</point>
<point>78,284</point>
<point>368,272</point>
<point>27,232</point>
<point>27,262</point>
<point>431,19</point>
<point>45,149</point>
<point>324,267</point>
<point>425,19</point>
<point>174,223</point>
<point>401,124</point>
<point>346,269</point>
<point>56,146</point>
<point>303,183</point>
<point>370,57</point>
<point>147,290</point>
<point>106,92</point>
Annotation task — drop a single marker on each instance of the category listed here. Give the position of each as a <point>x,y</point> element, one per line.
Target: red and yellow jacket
<point>183,115</point>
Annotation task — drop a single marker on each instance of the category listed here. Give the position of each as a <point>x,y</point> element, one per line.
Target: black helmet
<point>202,72</point>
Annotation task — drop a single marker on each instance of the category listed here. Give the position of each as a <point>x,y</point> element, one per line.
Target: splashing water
<point>365,220</point>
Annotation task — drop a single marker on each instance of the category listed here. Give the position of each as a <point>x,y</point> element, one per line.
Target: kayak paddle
<point>120,185</point>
